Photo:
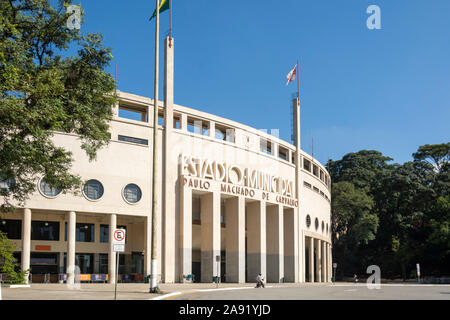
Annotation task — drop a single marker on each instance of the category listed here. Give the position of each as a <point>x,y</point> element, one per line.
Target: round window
<point>308,221</point>
<point>323,226</point>
<point>48,190</point>
<point>327,228</point>
<point>132,193</point>
<point>93,189</point>
<point>316,223</point>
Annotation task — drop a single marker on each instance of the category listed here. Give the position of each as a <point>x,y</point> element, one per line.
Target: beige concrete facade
<point>228,191</point>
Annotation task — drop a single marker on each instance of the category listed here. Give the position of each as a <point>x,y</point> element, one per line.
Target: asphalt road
<point>323,292</point>
<point>340,291</point>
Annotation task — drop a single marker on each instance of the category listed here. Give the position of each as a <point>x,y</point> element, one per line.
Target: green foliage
<point>352,217</point>
<point>361,168</point>
<point>7,261</point>
<point>438,154</point>
<point>43,90</point>
<point>392,215</point>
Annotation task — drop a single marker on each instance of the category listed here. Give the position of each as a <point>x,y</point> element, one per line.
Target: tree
<point>8,262</point>
<point>437,154</point>
<point>360,168</point>
<point>42,92</point>
<point>409,203</point>
<point>353,223</point>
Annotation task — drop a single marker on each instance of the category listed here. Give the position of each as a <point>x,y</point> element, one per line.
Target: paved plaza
<point>201,291</point>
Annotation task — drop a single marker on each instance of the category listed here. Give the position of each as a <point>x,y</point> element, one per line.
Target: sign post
<point>118,246</point>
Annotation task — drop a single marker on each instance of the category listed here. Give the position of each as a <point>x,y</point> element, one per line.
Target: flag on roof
<point>292,75</point>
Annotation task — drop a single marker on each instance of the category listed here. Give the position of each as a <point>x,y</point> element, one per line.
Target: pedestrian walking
<point>259,281</point>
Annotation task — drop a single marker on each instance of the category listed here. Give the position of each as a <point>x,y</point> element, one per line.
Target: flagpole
<point>170,5</point>
<point>154,271</point>
<point>298,81</point>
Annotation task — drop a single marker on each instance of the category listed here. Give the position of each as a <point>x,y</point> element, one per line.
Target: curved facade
<point>234,201</point>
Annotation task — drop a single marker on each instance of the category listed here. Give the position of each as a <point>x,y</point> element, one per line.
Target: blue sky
<point>386,90</point>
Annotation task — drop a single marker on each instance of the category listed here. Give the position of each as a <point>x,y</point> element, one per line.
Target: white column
<point>169,163</point>
<point>330,262</point>
<point>318,261</point>
<point>112,255</point>
<point>26,241</point>
<point>275,244</point>
<point>324,262</point>
<point>210,229</point>
<point>311,259</point>
<point>148,245</point>
<point>185,230</point>
<point>235,239</point>
<point>302,254</point>
<point>71,232</point>
<point>184,122</point>
<point>256,240</point>
<point>212,129</point>
<point>274,146</point>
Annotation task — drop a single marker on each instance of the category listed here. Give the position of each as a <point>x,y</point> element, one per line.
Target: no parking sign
<point>119,240</point>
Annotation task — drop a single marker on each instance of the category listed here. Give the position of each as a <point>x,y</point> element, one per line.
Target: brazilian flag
<point>163,6</point>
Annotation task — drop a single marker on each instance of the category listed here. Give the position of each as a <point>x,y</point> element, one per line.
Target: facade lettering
<point>234,174</point>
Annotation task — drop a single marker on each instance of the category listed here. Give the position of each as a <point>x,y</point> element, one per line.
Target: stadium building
<point>235,201</point>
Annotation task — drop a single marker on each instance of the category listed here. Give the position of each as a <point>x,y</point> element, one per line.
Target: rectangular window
<point>205,130</point>
<point>161,119</point>
<point>12,228</point>
<point>177,122</point>
<point>315,170</point>
<point>104,233</point>
<point>133,113</point>
<point>321,175</point>
<point>133,140</point>
<point>197,126</point>
<point>45,230</point>
<point>322,194</point>
<point>307,165</point>
<point>306,184</point>
<point>265,146</point>
<point>224,133</point>
<point>85,261</point>
<point>316,189</point>
<point>85,232</point>
<point>103,263</point>
<point>283,153</point>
